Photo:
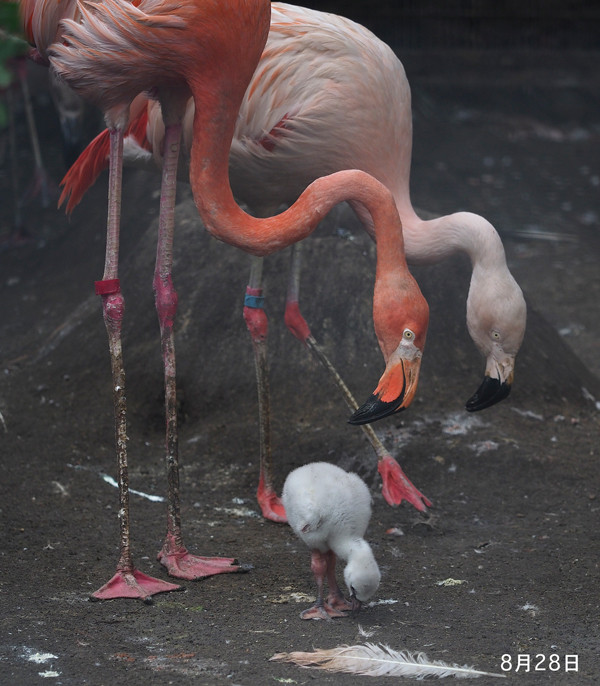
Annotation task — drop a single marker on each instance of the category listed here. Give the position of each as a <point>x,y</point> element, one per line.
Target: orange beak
<point>395,392</point>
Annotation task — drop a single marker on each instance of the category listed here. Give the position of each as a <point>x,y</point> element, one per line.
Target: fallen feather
<point>483,447</point>
<point>153,498</point>
<point>59,488</point>
<point>531,609</point>
<point>588,396</point>
<point>389,601</point>
<point>40,658</point>
<point>112,482</point>
<point>379,660</point>
<point>395,531</point>
<point>528,413</point>
<point>238,511</point>
<point>365,633</point>
<point>457,425</point>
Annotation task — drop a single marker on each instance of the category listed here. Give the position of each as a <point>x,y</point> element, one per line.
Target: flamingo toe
<point>396,486</point>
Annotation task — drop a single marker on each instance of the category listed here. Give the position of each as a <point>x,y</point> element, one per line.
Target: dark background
<point>477,24</point>
<point>506,124</point>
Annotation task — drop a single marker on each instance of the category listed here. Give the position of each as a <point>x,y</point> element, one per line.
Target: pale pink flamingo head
<point>496,319</point>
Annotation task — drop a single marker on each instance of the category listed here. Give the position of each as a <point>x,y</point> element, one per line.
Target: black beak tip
<point>355,605</point>
<point>490,392</point>
<point>375,409</point>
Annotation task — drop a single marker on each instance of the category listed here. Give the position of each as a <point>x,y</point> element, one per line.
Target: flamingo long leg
<point>40,183</point>
<point>17,233</point>
<point>128,582</point>
<point>257,324</point>
<point>174,555</point>
<point>396,486</point>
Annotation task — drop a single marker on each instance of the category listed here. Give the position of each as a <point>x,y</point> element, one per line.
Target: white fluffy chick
<point>329,509</point>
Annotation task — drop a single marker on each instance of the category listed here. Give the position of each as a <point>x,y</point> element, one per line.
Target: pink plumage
<point>328,95</point>
<point>209,51</point>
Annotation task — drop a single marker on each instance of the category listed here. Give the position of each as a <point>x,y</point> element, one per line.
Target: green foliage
<point>9,17</point>
<point>11,46</point>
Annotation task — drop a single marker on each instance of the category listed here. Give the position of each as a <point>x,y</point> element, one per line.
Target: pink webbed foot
<point>323,611</point>
<point>183,565</point>
<point>270,504</point>
<point>337,602</point>
<point>133,584</point>
<point>396,487</point>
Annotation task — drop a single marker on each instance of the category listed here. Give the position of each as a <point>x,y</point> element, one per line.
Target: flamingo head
<point>401,317</point>
<point>497,327</point>
<point>361,574</point>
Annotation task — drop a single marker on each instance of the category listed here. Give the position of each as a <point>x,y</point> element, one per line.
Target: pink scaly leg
<point>174,555</point>
<point>128,582</point>
<point>396,486</point>
<point>257,324</point>
<point>320,566</point>
<point>335,598</point>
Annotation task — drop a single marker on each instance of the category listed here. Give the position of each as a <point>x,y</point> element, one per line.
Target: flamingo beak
<point>490,392</point>
<point>355,605</point>
<point>395,392</point>
<point>496,384</point>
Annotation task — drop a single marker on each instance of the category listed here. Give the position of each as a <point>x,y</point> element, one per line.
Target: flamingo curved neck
<point>209,177</point>
<point>345,547</point>
<point>433,240</point>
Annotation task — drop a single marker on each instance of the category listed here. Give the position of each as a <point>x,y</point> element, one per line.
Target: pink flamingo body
<point>209,50</point>
<point>328,95</point>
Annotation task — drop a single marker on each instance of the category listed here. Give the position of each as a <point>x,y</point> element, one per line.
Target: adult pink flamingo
<point>328,95</point>
<point>42,21</point>
<point>210,50</point>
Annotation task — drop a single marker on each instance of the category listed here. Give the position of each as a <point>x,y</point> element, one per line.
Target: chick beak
<point>355,605</point>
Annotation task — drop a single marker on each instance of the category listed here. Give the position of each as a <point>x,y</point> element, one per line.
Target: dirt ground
<point>502,570</point>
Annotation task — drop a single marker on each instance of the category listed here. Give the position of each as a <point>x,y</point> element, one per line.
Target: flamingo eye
<point>495,335</point>
<point>408,335</point>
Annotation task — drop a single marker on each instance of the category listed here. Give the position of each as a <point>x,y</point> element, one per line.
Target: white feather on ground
<point>379,660</point>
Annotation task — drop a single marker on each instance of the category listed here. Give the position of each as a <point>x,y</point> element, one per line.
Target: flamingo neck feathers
<point>433,240</point>
<point>348,548</point>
